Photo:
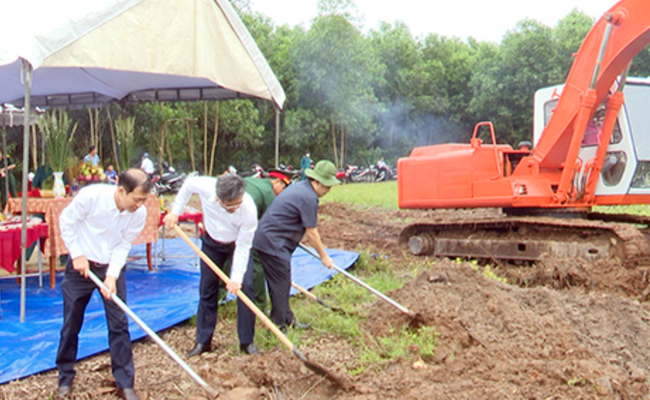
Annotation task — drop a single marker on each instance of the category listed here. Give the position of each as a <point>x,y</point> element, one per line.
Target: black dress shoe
<point>198,349</point>
<point>64,392</point>
<point>297,325</point>
<point>250,349</point>
<point>127,394</point>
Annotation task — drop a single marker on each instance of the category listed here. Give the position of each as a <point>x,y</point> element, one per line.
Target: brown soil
<point>577,331</point>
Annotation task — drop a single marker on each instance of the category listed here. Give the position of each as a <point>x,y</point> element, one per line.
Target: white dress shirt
<point>222,226</point>
<point>91,225</point>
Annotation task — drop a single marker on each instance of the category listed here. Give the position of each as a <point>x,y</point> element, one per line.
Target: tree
<point>503,85</point>
<point>336,68</point>
<point>569,35</point>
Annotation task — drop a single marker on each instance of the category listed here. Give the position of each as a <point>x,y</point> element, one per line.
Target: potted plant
<point>58,132</point>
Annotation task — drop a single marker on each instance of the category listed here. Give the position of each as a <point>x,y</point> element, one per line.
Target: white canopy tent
<point>86,53</point>
<point>75,53</point>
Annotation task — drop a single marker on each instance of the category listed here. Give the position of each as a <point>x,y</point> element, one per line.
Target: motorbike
<point>293,174</point>
<point>256,172</point>
<point>386,173</point>
<point>169,182</point>
<point>354,173</point>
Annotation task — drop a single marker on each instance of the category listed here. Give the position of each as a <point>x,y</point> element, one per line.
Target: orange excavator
<point>591,147</point>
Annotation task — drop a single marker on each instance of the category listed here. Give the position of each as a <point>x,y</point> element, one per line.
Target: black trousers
<point>278,278</point>
<point>245,317</point>
<point>76,292</point>
<point>206,316</point>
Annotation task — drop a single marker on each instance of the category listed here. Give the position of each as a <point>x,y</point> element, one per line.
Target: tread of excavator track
<point>532,238</point>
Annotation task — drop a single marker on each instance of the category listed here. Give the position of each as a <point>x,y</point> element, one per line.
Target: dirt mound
<point>500,341</point>
<point>559,330</point>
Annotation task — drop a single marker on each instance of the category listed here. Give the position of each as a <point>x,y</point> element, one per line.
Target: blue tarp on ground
<point>161,298</point>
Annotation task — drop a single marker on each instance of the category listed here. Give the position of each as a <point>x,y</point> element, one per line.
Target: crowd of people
<point>252,226</point>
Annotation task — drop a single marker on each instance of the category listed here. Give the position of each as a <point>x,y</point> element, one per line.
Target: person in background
<point>305,164</point>
<point>7,180</point>
<point>381,165</point>
<point>147,165</point>
<point>292,214</point>
<point>230,220</point>
<point>98,227</point>
<point>111,175</point>
<point>92,157</point>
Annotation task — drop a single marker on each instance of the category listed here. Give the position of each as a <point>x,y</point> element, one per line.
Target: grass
<point>373,352</point>
<point>636,209</point>
<point>365,195</point>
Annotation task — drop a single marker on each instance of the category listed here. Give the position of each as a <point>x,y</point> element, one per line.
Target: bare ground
<point>577,331</point>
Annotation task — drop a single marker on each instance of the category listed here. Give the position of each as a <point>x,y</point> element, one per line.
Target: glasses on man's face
<point>230,206</point>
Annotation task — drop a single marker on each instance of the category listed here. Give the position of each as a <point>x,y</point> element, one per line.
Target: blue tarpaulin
<point>161,298</point>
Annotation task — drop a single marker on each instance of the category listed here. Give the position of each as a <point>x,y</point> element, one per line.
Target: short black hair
<point>230,187</point>
<point>133,178</point>
<point>91,148</point>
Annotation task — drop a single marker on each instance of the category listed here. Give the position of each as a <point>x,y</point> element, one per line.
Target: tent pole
<point>277,136</point>
<point>4,153</point>
<point>27,67</point>
<point>5,164</point>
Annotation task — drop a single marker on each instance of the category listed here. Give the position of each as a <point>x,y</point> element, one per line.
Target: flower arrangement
<point>58,132</point>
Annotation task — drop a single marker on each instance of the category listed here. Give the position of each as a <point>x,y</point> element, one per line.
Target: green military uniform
<point>261,190</point>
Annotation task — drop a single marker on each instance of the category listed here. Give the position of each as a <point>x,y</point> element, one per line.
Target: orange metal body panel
<point>448,176</point>
<point>477,175</point>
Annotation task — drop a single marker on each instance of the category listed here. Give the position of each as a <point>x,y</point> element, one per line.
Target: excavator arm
<point>607,51</point>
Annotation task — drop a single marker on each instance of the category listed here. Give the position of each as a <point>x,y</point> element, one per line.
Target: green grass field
<point>365,195</point>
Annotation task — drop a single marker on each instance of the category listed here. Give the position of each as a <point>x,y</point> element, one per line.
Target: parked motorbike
<point>293,174</point>
<point>256,172</point>
<point>169,182</point>
<point>386,173</point>
<point>354,173</point>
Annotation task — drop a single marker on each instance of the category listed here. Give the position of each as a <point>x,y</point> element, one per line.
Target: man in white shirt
<point>147,165</point>
<point>98,227</point>
<point>230,220</point>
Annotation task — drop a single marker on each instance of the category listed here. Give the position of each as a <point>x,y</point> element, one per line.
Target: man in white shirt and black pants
<point>97,228</point>
<point>230,220</point>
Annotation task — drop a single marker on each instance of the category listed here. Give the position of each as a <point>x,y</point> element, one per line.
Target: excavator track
<point>598,237</point>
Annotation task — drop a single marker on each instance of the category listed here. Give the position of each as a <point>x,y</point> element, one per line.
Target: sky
<point>485,20</point>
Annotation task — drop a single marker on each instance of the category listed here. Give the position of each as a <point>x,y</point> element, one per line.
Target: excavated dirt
<point>563,329</point>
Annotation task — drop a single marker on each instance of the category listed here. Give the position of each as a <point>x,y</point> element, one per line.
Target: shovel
<point>269,324</point>
<point>417,319</point>
<point>213,393</point>
<point>317,299</point>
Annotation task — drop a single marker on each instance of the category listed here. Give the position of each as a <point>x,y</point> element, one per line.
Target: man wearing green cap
<point>292,214</point>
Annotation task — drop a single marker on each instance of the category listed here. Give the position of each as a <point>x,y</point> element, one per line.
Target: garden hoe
<point>417,320</point>
<point>318,299</point>
<point>269,324</point>
<point>211,392</point>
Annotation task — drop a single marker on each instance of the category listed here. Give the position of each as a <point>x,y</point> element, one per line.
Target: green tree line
<point>353,95</point>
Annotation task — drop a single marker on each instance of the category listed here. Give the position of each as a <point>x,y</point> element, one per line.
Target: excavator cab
<point>626,165</point>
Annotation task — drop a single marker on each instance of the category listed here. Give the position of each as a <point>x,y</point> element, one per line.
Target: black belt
<point>206,235</point>
<point>96,264</point>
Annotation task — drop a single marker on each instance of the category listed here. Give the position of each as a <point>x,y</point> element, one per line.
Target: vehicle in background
<point>591,148</point>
